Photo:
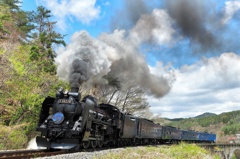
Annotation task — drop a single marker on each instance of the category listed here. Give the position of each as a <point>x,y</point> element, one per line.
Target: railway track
<point>26,154</point>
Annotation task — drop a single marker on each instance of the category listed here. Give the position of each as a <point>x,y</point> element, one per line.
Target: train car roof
<point>171,127</point>
<point>147,119</point>
<point>108,106</point>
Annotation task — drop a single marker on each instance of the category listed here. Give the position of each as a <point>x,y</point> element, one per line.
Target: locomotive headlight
<point>58,118</point>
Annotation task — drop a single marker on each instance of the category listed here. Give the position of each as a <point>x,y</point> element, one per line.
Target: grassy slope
<point>181,151</point>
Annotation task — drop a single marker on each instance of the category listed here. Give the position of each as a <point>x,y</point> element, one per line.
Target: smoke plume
<point>132,66</point>
<point>116,55</point>
<point>84,59</point>
<point>190,16</point>
<point>78,73</point>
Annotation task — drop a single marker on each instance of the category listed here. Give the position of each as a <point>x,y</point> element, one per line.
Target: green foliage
<point>234,157</point>
<point>2,51</point>
<point>44,64</point>
<point>45,35</point>
<point>19,18</point>
<point>18,138</point>
<point>18,66</point>
<point>13,137</point>
<point>5,17</point>
<point>231,129</point>
<point>44,40</point>
<point>12,4</point>
<point>28,87</point>
<point>23,24</point>
<point>23,95</point>
<point>34,53</point>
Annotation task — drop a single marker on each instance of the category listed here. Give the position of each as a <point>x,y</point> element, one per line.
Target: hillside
<point>223,125</point>
<point>205,115</point>
<point>199,116</point>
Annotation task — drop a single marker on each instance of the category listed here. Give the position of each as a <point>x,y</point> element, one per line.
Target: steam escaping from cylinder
<point>33,145</point>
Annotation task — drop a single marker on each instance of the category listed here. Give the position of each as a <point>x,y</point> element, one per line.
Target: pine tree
<point>45,38</point>
<point>20,26</point>
<point>5,17</point>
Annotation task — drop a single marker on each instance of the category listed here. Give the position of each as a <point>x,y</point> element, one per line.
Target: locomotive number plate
<point>64,101</point>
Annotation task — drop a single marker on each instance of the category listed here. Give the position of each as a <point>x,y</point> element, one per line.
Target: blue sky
<point>191,46</point>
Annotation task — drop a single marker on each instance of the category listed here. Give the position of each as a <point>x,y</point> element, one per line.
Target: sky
<point>185,53</point>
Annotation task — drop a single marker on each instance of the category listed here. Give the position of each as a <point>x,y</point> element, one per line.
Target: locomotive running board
<point>42,142</point>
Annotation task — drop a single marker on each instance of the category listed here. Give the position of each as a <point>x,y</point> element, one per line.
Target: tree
<point>44,39</point>
<point>20,25</point>
<point>27,87</point>
<point>12,4</point>
<point>132,100</point>
<point>114,83</point>
<point>103,92</point>
<point>45,35</point>
<point>5,17</point>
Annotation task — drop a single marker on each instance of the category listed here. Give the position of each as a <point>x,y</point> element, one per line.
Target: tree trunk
<point>112,96</point>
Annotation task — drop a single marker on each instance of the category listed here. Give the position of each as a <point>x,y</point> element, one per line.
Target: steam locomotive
<point>67,122</point>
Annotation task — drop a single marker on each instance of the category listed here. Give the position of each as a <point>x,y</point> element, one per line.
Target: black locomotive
<point>66,122</point>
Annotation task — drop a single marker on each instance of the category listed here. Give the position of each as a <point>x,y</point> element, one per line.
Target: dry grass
<point>12,137</point>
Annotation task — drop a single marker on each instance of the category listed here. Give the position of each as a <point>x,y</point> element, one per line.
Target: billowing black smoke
<point>78,74</point>
<point>191,18</point>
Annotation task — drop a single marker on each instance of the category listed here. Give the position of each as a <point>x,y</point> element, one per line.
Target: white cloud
<point>211,85</point>
<point>231,7</point>
<point>84,11</point>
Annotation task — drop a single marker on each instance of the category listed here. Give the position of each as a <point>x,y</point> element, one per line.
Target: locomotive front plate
<point>64,101</point>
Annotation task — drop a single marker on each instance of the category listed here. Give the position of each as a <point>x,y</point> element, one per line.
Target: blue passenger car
<point>189,136</point>
<point>206,137</point>
<point>171,134</point>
